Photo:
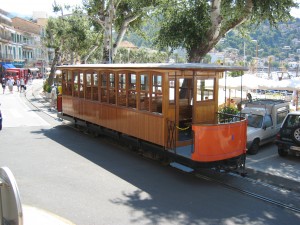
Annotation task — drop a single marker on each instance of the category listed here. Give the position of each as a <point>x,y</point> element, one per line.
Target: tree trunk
<point>53,66</point>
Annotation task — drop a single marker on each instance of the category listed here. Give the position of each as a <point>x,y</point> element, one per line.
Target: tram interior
<point>185,109</point>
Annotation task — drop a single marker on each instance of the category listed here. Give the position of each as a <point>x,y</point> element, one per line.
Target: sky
<point>26,7</point>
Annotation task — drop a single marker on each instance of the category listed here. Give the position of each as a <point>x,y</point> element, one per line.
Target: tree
<point>71,37</point>
<point>198,25</point>
<point>117,17</point>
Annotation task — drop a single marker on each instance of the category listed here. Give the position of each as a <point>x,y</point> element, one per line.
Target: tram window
<point>156,83</point>
<point>122,90</point>
<point>144,101</point>
<point>122,81</point>
<point>95,86</point>
<point>111,80</point>
<point>81,87</point>
<point>132,81</point>
<point>156,99</point>
<point>103,80</point>
<point>132,99</point>
<point>88,86</point>
<point>75,82</point>
<point>112,91</point>
<point>144,81</point>
<point>144,92</point>
<point>171,91</point>
<point>64,82</point>
<point>122,98</point>
<point>103,87</point>
<point>205,89</point>
<point>69,83</point>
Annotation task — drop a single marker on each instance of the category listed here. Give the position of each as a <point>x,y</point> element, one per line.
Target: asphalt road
<point>94,181</point>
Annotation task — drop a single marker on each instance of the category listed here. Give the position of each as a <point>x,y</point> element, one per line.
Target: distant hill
<point>281,43</point>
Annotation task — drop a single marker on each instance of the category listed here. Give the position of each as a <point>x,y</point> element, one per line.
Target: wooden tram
<point>170,109</point>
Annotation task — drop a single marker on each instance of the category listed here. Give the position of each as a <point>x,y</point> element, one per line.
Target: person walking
<point>22,84</point>
<point>18,83</point>
<point>3,84</point>
<point>53,95</point>
<point>10,84</point>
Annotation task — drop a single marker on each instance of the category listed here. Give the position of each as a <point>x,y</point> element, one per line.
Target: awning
<point>7,66</point>
<point>33,69</point>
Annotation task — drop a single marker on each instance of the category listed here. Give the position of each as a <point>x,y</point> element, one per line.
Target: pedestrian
<point>18,84</point>
<point>10,84</point>
<point>53,95</point>
<point>22,84</point>
<point>3,84</point>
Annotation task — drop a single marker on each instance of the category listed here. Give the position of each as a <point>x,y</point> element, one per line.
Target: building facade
<point>21,44</point>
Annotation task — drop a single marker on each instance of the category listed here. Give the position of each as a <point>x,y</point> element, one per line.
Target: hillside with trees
<point>281,42</point>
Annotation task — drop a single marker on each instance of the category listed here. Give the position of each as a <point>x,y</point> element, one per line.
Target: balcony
<point>6,57</point>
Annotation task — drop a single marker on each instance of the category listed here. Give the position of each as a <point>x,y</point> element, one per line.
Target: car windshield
<point>254,120</point>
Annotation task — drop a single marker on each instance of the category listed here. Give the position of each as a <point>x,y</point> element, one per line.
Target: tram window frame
<point>132,89</point>
<point>111,88</point>
<point>69,83</point>
<point>75,77</point>
<point>81,84</point>
<point>156,93</point>
<point>172,91</point>
<point>144,93</point>
<point>95,84</point>
<point>103,86</point>
<point>88,85</point>
<point>122,92</point>
<point>64,84</point>
<point>206,94</point>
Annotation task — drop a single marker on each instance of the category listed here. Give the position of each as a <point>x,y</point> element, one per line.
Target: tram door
<point>184,109</point>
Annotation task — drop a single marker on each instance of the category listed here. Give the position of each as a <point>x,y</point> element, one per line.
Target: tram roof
<point>164,66</point>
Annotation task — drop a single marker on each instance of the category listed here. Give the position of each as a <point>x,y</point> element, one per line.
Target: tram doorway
<point>184,108</point>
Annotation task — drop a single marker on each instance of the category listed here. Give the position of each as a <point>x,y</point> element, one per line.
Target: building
<point>21,45</point>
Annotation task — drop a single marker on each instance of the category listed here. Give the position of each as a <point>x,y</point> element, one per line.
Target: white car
<point>264,117</point>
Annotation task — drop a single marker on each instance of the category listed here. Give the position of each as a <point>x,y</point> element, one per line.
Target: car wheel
<point>253,150</point>
<point>296,135</point>
<point>282,152</point>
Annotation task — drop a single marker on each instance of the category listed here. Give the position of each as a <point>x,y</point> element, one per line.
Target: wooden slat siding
<point>146,126</point>
<point>205,113</point>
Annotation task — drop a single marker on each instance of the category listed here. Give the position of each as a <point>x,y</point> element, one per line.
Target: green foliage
<point>226,112</point>
<point>46,86</point>
<point>270,41</point>
<point>141,55</point>
<point>191,20</point>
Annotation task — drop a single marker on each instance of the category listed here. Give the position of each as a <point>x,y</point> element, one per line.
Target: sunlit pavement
<point>35,216</point>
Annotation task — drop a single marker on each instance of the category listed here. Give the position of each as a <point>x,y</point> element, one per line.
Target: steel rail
<point>251,194</point>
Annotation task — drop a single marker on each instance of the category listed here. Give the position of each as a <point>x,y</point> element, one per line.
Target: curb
<point>35,216</point>
<point>274,180</point>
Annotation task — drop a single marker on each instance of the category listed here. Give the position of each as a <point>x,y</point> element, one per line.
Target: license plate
<point>296,148</point>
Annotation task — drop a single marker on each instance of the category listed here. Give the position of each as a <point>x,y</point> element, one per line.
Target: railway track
<point>288,206</point>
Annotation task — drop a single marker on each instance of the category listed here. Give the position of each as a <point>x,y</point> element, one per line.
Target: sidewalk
<point>37,98</point>
<point>35,216</point>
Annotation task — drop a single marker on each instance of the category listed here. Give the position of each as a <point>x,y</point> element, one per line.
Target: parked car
<point>288,137</point>
<point>265,117</point>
